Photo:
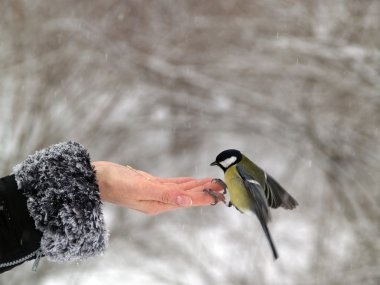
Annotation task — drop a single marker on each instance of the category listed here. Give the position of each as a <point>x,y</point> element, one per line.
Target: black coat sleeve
<point>51,207</point>
<point>19,239</point>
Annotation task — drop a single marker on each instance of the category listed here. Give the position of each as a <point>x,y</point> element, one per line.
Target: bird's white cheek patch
<point>227,162</point>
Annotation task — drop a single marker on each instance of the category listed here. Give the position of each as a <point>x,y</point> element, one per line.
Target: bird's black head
<point>227,158</point>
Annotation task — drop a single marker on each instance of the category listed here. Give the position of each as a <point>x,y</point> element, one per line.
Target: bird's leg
<point>215,195</point>
<point>230,205</point>
<point>241,212</point>
<point>221,182</point>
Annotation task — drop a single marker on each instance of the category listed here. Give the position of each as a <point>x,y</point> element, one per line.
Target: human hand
<point>144,192</point>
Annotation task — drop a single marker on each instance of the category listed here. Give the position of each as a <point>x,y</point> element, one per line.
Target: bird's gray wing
<point>276,195</point>
<point>259,206</point>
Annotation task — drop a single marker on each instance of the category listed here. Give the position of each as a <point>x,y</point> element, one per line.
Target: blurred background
<point>165,86</point>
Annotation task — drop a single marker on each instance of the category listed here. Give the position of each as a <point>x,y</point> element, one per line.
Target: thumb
<point>184,201</point>
<point>174,197</point>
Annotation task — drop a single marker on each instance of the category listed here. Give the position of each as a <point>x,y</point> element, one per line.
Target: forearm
<point>57,194</point>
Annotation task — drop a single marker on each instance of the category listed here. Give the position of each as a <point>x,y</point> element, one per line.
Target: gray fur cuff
<point>63,199</point>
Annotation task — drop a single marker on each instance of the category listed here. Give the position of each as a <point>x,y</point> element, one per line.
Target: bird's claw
<point>221,182</point>
<point>214,195</point>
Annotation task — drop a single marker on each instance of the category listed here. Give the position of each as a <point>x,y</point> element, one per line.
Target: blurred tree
<point>166,85</point>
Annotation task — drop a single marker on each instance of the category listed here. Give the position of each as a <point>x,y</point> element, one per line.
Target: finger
<point>203,198</point>
<point>201,182</point>
<point>176,180</point>
<point>155,207</point>
<point>174,194</point>
<point>212,186</point>
<point>171,195</point>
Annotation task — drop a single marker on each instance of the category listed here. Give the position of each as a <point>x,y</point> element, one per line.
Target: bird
<point>251,189</point>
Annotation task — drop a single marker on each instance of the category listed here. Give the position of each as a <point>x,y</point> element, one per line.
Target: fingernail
<point>184,201</point>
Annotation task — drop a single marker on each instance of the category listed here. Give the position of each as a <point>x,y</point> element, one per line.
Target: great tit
<point>251,189</point>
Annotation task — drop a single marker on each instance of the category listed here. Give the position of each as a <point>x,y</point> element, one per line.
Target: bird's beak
<point>213,163</point>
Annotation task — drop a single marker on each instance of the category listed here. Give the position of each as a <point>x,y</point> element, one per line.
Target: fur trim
<point>63,199</point>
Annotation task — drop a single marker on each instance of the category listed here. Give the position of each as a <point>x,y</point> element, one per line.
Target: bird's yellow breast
<point>239,195</point>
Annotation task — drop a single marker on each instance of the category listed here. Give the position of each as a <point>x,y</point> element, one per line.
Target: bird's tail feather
<point>269,237</point>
